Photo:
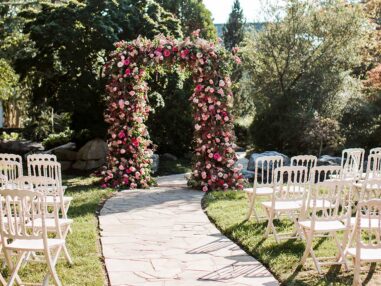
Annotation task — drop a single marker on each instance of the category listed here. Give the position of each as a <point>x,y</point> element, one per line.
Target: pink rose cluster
<point>130,150</point>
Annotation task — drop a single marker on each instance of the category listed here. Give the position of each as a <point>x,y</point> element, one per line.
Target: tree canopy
<point>233,30</point>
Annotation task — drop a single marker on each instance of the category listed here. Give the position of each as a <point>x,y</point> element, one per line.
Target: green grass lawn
<point>83,242</point>
<point>228,210</point>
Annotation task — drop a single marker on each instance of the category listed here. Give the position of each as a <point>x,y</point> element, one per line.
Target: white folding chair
<point>328,212</point>
<point>17,209</point>
<point>352,162</point>
<point>52,170</point>
<point>39,157</point>
<point>263,181</point>
<point>365,244</point>
<point>288,198</point>
<point>370,182</point>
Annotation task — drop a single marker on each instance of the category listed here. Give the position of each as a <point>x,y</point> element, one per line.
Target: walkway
<point>162,237</point>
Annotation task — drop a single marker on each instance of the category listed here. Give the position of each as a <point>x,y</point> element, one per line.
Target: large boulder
<point>65,155</point>
<point>19,146</point>
<point>88,164</point>
<point>254,156</point>
<point>327,160</point>
<point>95,149</point>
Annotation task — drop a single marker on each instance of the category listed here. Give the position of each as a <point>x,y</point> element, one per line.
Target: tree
<point>233,30</point>
<point>193,16</point>
<point>298,65</point>
<point>70,45</point>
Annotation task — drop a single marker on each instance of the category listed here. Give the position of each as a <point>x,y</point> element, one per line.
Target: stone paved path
<point>162,237</point>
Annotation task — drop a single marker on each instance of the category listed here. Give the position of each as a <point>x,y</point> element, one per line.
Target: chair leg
<point>9,262</point>
<point>341,255</point>
<point>356,277</point>
<point>308,236</point>
<point>51,260</point>
<point>269,221</point>
<point>14,276</point>
<point>64,248</point>
<point>250,209</point>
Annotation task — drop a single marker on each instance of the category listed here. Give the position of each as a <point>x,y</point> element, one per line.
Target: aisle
<point>162,237</point>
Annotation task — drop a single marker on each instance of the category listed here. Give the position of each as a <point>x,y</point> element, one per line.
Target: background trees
<point>299,65</point>
<point>233,30</point>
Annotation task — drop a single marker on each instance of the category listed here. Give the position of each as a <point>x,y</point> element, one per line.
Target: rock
<point>88,164</point>
<point>66,165</point>
<point>254,156</point>
<point>65,155</point>
<point>95,149</point>
<point>249,175</point>
<point>155,163</point>
<point>168,156</point>
<point>327,160</point>
<point>20,146</point>
<point>67,146</point>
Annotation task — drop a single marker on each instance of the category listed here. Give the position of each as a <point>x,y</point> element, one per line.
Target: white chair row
<point>318,199</point>
<point>26,224</point>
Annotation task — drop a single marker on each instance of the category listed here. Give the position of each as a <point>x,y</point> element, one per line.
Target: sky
<point>221,9</point>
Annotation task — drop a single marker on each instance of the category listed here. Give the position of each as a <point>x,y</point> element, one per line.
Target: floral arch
<point>129,159</point>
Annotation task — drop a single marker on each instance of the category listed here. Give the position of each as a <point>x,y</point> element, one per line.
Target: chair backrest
<point>373,168</point>
<point>308,161</point>
<point>10,157</point>
<point>18,208</point>
<point>376,150</point>
<point>367,229</point>
<point>264,169</point>
<point>48,169</point>
<point>352,162</point>
<point>328,198</point>
<point>32,158</point>
<point>10,170</point>
<point>290,183</point>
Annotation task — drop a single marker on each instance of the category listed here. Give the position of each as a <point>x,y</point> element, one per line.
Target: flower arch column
<point>129,159</point>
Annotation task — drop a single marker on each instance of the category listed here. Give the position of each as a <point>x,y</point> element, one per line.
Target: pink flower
<point>197,127</point>
<point>127,62</point>
<point>166,53</point>
<point>217,157</point>
<point>127,72</point>
<point>184,53</point>
<point>121,103</point>
<point>135,142</point>
<point>199,87</point>
<point>205,188</point>
<point>122,151</point>
<point>121,135</point>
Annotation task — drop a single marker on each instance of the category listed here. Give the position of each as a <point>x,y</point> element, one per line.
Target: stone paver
<point>162,237</point>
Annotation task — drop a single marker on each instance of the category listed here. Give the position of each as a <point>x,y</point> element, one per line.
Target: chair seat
<point>50,222</point>
<point>34,244</point>
<point>261,191</point>
<point>374,223</point>
<point>324,225</point>
<point>284,205</point>
<point>367,254</point>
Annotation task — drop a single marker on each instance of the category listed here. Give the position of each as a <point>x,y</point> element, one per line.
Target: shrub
<point>57,139</point>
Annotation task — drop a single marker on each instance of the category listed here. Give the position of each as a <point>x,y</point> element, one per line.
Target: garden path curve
<point>162,237</point>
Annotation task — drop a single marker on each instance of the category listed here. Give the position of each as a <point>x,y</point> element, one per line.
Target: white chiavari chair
<point>263,181</point>
<point>365,244</point>
<point>327,214</point>
<point>51,170</point>
<point>18,208</point>
<point>290,185</point>
<point>352,162</point>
